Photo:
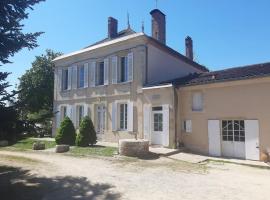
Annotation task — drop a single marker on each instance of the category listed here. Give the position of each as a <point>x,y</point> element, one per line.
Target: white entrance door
<point>233,138</point>
<point>157,126</point>
<point>100,119</point>
<point>252,139</point>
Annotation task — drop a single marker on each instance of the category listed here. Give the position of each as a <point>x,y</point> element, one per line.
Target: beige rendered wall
<point>245,99</point>
<point>159,97</point>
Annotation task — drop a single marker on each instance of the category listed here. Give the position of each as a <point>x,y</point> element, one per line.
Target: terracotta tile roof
<point>231,74</point>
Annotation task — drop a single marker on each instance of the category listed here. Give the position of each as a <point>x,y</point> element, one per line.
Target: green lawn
<point>93,151</point>
<point>26,144</point>
<point>96,150</point>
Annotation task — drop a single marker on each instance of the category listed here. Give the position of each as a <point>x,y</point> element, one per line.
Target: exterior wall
<point>92,96</point>
<point>159,97</point>
<point>245,99</point>
<point>162,66</point>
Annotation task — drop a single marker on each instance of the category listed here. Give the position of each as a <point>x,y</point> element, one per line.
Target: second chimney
<point>112,27</point>
<point>189,47</point>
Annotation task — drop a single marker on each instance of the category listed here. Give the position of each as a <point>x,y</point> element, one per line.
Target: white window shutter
<point>69,111</point>
<point>69,77</point>
<point>58,116</point>
<point>214,138</point>
<point>146,121</point>
<point>106,71</point>
<point>74,115</point>
<point>188,126</point>
<point>74,77</point>
<point>114,70</point>
<point>86,75</point>
<point>197,101</point>
<point>114,116</point>
<point>93,74</point>
<point>130,66</point>
<point>166,124</point>
<point>59,79</point>
<point>85,110</point>
<point>130,117</point>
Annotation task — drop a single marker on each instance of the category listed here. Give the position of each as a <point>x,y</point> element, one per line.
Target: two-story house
<point>106,81</point>
<point>121,82</point>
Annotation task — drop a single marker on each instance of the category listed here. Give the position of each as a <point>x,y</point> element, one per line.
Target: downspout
<point>175,103</point>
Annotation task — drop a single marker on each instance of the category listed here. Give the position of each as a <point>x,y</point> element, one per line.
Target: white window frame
<point>120,70</point>
<point>125,115</point>
<point>78,120</point>
<point>187,126</point>
<point>231,132</point>
<point>199,107</point>
<point>80,80</point>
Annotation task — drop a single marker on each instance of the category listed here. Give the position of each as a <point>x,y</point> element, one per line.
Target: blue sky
<point>226,33</point>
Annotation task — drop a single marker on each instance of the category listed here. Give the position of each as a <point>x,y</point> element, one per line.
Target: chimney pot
<point>112,27</point>
<point>189,47</point>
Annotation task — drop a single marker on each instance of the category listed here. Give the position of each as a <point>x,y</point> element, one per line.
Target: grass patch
<point>93,151</point>
<point>26,144</point>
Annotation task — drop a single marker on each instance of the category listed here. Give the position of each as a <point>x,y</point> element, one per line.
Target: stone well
<point>132,147</point>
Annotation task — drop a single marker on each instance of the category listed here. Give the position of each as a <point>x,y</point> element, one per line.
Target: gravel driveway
<point>52,176</point>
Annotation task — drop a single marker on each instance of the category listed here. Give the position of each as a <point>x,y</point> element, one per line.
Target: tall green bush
<point>87,134</point>
<point>66,134</point>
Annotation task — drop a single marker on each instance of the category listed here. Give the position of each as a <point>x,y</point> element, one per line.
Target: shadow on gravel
<point>19,184</point>
<point>149,156</point>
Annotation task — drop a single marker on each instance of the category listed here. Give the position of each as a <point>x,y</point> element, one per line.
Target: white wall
<point>162,66</point>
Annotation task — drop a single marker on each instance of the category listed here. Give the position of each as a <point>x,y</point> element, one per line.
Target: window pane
<point>224,138</point>
<point>230,138</point>
<point>242,139</point>
<point>242,133</point>
<point>81,77</point>
<point>236,125</point>
<point>224,124</point>
<point>236,138</point>
<point>230,125</point>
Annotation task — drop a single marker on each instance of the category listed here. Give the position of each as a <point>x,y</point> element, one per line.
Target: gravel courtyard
<point>26,175</point>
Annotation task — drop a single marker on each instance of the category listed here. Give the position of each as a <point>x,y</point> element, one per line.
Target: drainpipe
<point>175,104</point>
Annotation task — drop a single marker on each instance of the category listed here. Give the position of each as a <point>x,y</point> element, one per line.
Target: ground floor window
<point>80,114</point>
<point>233,130</point>
<point>123,116</point>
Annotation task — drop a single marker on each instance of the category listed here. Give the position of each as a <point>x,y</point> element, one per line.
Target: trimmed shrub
<point>66,133</point>
<point>87,134</point>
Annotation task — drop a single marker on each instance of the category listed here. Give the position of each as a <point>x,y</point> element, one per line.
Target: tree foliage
<point>36,92</point>
<point>12,39</point>
<point>87,134</point>
<point>66,133</point>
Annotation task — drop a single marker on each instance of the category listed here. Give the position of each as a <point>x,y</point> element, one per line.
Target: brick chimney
<point>158,25</point>
<point>189,47</point>
<point>112,27</point>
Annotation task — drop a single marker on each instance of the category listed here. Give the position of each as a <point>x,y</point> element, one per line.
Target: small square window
<point>197,101</point>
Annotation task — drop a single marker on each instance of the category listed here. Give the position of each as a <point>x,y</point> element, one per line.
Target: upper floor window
<point>100,73</point>
<point>197,101</point>
<point>80,76</point>
<point>65,79</point>
<point>123,70</point>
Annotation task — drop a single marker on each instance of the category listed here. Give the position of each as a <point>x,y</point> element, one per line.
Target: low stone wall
<point>132,147</point>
